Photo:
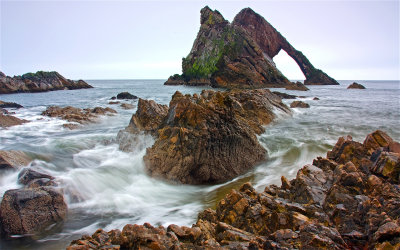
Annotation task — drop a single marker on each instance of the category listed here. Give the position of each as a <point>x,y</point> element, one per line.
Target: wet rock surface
<point>206,138</point>
<point>10,105</point>
<point>126,95</point>
<point>40,81</point>
<point>13,159</point>
<point>284,95</point>
<point>7,120</point>
<point>297,86</point>
<point>339,202</point>
<point>239,54</point>
<point>77,115</point>
<point>299,104</point>
<point>355,85</point>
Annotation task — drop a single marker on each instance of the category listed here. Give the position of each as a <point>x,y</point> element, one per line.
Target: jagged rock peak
<point>211,17</point>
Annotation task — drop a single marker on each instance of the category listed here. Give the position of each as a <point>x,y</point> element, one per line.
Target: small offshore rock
<point>284,95</point>
<point>315,98</point>
<point>296,86</point>
<point>126,95</point>
<point>355,85</point>
<point>299,104</point>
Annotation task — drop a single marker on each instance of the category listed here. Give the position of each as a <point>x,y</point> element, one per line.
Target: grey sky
<point>147,39</point>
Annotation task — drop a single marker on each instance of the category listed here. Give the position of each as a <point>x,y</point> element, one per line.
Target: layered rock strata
<point>239,54</point>
<point>347,200</point>
<point>40,81</point>
<point>207,138</point>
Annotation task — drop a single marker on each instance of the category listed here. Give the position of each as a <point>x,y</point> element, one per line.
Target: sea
<point>107,188</point>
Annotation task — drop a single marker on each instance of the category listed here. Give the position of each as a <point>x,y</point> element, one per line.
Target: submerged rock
<point>299,104</point>
<point>13,159</point>
<point>355,85</point>
<point>338,202</point>
<point>40,81</point>
<point>127,106</point>
<point>126,95</point>
<point>77,115</point>
<point>239,54</point>
<point>206,138</point>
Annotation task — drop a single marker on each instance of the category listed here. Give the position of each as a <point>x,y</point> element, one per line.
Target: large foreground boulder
<point>40,81</point>
<point>30,211</point>
<point>206,138</point>
<point>240,54</point>
<point>339,202</point>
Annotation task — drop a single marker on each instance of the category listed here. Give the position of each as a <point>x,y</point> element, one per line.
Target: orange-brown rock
<point>77,115</point>
<point>299,104</point>
<point>355,85</point>
<point>7,120</point>
<point>209,138</point>
<point>296,86</point>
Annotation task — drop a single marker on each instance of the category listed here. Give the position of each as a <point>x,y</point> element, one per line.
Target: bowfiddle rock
<point>239,54</point>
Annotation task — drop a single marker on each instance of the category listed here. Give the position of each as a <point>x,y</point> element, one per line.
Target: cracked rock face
<point>239,54</point>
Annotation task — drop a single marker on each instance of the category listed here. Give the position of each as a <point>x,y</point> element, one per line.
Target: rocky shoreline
<point>40,81</point>
<point>346,200</point>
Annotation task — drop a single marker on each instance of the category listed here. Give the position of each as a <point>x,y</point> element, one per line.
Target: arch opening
<point>288,66</point>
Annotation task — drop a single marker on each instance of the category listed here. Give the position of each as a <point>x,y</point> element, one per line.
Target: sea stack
<point>240,54</point>
<point>40,81</point>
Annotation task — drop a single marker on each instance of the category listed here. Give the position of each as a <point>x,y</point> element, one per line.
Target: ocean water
<point>107,188</point>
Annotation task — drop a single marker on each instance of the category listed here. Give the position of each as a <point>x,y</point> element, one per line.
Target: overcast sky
<point>147,39</point>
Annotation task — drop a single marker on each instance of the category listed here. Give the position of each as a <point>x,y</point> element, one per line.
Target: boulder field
<point>347,200</point>
<point>240,55</point>
<point>205,139</point>
<point>40,81</point>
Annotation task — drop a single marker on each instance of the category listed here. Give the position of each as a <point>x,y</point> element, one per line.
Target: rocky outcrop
<point>239,54</point>
<point>299,104</point>
<point>13,159</point>
<point>206,138</point>
<point>284,95</point>
<point>77,115</point>
<point>10,105</point>
<point>40,81</point>
<point>126,95</point>
<point>355,85</point>
<point>338,202</point>
<point>297,86</point>
<point>9,120</point>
